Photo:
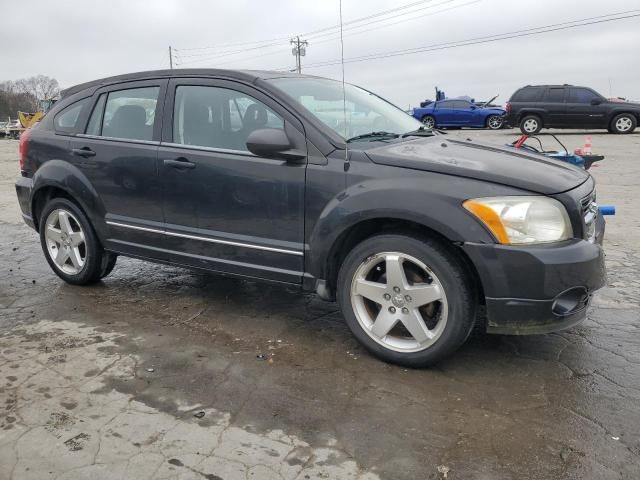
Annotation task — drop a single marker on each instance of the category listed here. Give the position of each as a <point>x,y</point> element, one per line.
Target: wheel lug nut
<point>405,310</point>
<point>392,310</point>
<point>387,296</point>
<point>396,289</point>
<point>407,298</point>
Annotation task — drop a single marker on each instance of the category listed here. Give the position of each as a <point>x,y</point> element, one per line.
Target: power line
<point>485,39</point>
<point>282,48</point>
<point>428,14</point>
<point>356,20</point>
<point>210,56</point>
<point>317,33</point>
<point>231,45</point>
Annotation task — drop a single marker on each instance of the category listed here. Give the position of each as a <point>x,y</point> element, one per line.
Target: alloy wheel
<point>495,122</point>
<point>429,122</point>
<point>624,124</point>
<point>399,302</point>
<point>530,125</point>
<point>65,241</point>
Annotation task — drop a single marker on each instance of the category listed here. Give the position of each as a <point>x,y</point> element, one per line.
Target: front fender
<point>418,113</point>
<point>617,111</point>
<point>69,178</point>
<point>430,200</point>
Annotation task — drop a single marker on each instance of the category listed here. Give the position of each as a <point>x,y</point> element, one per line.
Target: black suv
<point>566,106</point>
<point>291,179</point>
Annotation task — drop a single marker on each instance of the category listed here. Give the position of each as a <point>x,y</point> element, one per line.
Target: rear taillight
<point>508,107</point>
<point>22,149</point>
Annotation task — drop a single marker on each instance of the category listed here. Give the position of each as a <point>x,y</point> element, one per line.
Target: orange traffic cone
<point>586,150</point>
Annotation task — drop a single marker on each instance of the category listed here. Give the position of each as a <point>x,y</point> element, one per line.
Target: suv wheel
<point>69,243</point>
<point>530,124</point>
<point>494,122</point>
<point>407,300</point>
<point>623,123</point>
<point>429,122</point>
<point>108,263</point>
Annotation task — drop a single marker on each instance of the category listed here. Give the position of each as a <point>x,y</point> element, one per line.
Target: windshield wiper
<point>373,135</point>
<point>420,132</point>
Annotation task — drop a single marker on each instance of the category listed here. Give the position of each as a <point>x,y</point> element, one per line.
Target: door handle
<point>83,152</point>
<point>179,163</point>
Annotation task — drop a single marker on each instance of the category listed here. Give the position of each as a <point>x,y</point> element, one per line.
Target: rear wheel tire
<point>428,121</point>
<point>623,124</point>
<point>69,243</point>
<point>530,124</point>
<point>408,300</point>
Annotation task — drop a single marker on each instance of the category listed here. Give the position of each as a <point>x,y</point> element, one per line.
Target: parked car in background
<point>455,112</point>
<point>246,173</point>
<point>535,107</point>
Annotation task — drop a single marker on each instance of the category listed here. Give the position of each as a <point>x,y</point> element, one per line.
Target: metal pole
<point>170,58</point>
<point>299,50</point>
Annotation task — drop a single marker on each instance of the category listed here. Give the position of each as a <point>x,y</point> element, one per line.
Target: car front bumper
<point>541,288</point>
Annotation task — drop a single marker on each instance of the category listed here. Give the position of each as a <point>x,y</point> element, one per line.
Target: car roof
<point>563,85</point>
<point>249,76</point>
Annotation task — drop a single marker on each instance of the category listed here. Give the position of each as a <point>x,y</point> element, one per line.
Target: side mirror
<point>272,143</point>
<point>473,107</point>
<point>596,101</point>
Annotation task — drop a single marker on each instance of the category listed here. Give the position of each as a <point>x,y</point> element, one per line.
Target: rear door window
<point>555,95</point>
<point>130,114</point>
<point>446,104</point>
<point>461,105</point>
<point>67,120</point>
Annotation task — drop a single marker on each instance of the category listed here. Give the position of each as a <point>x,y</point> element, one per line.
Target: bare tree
<point>12,100</point>
<point>38,88</point>
<point>25,94</point>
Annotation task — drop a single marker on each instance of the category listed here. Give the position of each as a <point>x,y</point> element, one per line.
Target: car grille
<point>589,209</point>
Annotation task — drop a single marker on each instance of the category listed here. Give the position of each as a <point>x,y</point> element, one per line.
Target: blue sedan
<point>459,113</point>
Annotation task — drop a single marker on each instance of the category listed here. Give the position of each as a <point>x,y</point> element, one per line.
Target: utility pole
<point>299,50</point>
<point>170,58</point>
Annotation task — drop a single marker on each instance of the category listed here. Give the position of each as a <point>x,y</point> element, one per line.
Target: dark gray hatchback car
<point>289,179</point>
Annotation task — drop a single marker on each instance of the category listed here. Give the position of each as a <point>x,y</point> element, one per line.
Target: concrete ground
<point>164,373</point>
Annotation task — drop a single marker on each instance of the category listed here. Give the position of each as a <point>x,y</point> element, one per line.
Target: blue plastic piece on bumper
<point>607,209</point>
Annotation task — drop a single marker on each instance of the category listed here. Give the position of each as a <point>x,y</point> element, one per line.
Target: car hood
<point>503,165</point>
<point>618,103</point>
<point>494,110</point>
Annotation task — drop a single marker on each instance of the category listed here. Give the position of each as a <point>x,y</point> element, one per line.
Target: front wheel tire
<point>494,122</point>
<point>623,124</point>
<point>429,122</point>
<point>408,300</point>
<point>70,244</point>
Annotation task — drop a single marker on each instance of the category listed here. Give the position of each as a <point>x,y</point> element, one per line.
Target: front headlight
<point>518,220</point>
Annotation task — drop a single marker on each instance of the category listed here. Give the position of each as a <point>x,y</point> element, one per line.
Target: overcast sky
<point>80,40</point>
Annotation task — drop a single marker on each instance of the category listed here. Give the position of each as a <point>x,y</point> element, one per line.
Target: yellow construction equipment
<point>28,120</point>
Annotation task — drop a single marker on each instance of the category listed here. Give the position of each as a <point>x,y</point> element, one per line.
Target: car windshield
<point>358,114</point>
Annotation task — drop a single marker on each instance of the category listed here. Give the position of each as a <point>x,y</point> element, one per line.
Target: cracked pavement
<point>164,373</point>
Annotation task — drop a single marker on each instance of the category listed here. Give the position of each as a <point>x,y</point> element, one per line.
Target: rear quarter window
<point>67,120</point>
<point>528,94</point>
